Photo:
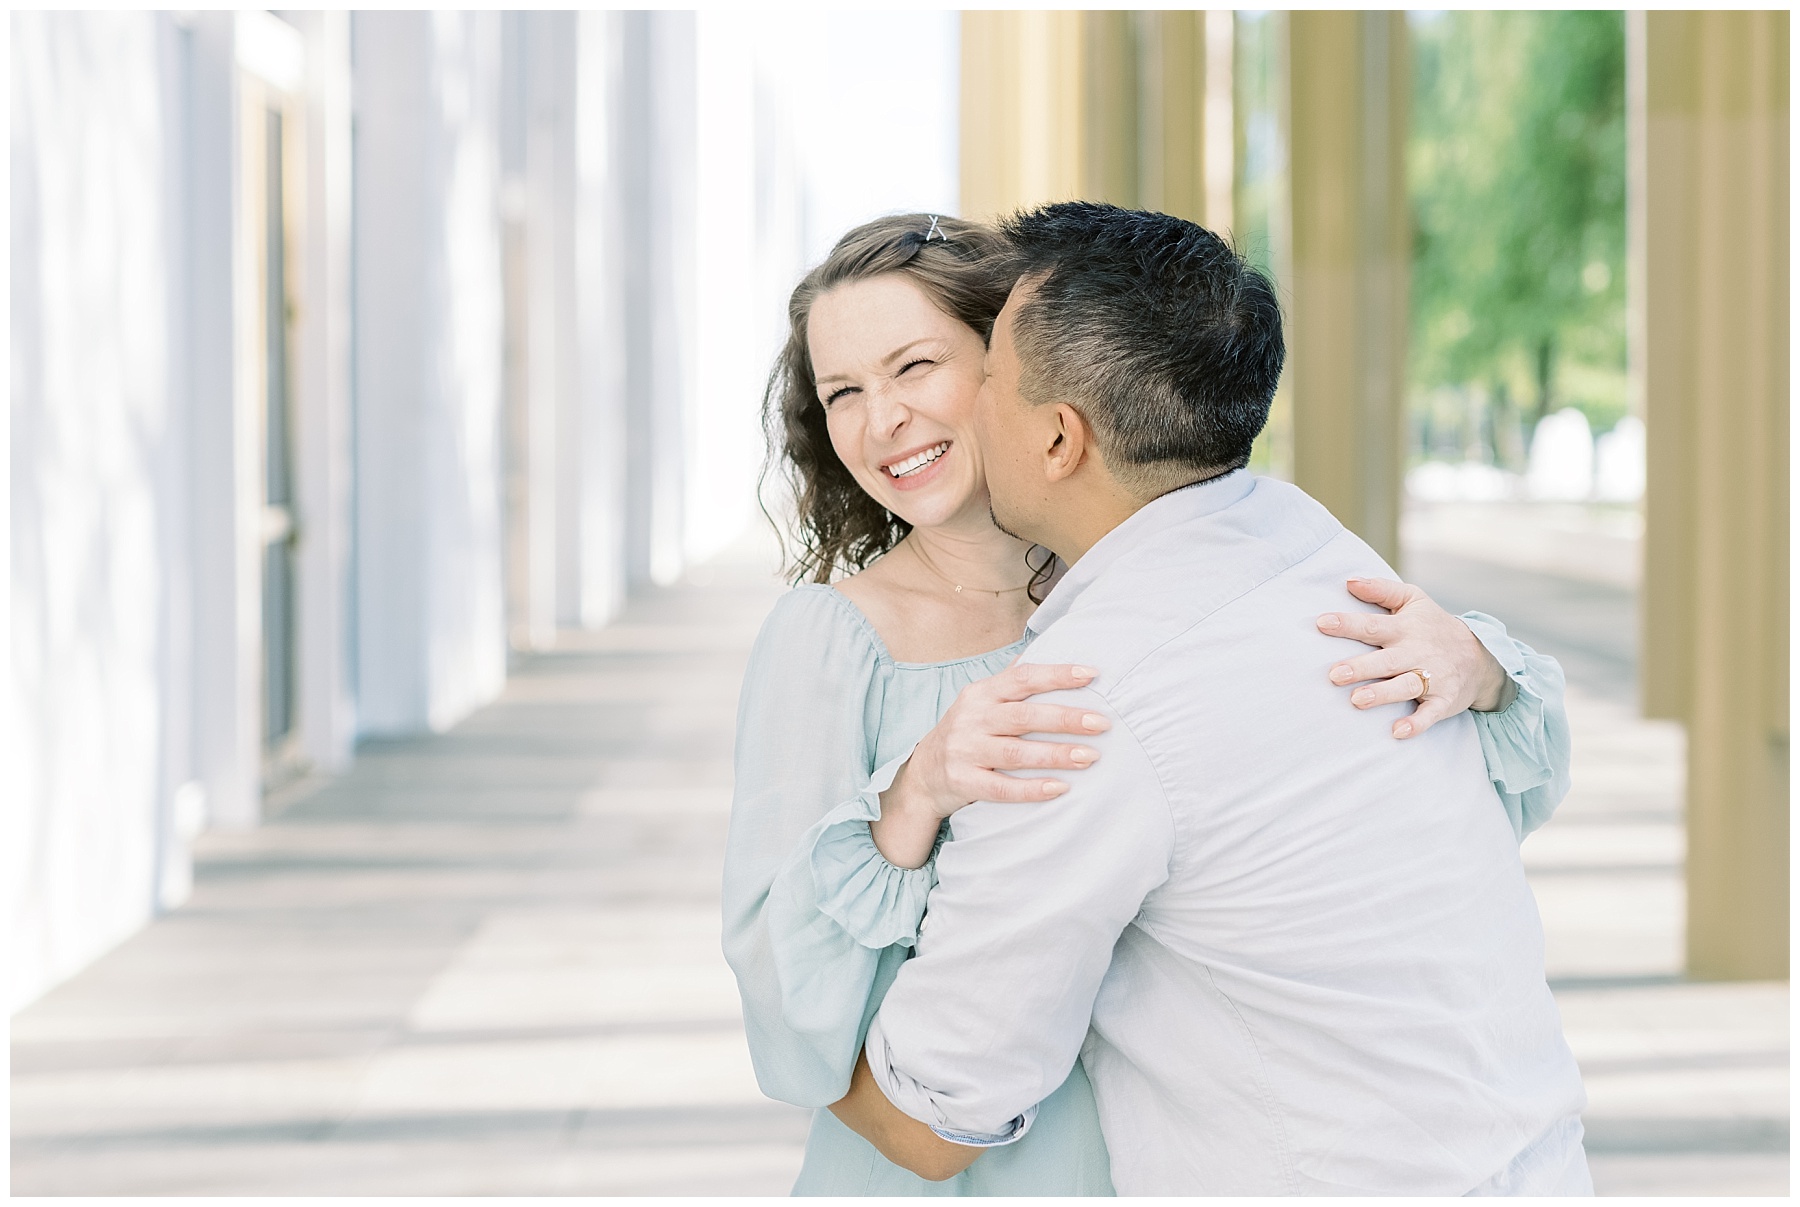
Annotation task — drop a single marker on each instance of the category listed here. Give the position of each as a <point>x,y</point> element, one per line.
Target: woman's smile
<point>915,468</point>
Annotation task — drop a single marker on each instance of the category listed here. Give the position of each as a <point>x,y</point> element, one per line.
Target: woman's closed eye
<point>836,395</point>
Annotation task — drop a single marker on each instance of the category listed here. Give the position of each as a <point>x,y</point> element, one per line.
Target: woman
<point>876,706</point>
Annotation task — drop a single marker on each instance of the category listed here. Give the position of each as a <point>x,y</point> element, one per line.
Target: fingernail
<point>1361,697</point>
<point>1093,722</point>
<point>1340,674</point>
<point>1403,729</point>
<point>1054,788</point>
<point>1083,672</point>
<point>1328,621</point>
<point>1081,755</point>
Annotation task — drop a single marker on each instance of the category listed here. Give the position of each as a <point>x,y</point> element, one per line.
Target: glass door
<point>271,58</point>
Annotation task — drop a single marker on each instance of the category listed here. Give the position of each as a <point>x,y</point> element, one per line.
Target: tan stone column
<point>1112,114</point>
<point>1714,209</point>
<point>1023,110</point>
<point>1172,106</point>
<point>1348,87</point>
<point>1104,105</point>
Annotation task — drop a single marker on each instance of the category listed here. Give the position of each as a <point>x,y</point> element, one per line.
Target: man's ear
<point>1071,443</point>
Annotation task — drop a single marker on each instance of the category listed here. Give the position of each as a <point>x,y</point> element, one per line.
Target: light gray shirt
<point>1295,955</point>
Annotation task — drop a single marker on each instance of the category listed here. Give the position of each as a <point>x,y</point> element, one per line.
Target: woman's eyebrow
<point>903,349</point>
<point>889,359</point>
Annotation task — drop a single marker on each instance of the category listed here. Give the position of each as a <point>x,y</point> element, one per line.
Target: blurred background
<point>385,540</point>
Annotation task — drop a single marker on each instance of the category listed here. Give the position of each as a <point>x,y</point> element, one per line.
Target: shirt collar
<point>1163,512</point>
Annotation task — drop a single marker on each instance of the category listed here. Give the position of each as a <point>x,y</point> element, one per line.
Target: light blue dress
<point>817,923</point>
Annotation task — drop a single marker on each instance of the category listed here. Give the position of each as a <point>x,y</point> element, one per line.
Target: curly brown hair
<point>963,267</point>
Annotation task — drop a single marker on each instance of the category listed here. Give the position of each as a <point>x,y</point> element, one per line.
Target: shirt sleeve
<point>1526,744</point>
<point>989,1016</point>
<point>814,915</point>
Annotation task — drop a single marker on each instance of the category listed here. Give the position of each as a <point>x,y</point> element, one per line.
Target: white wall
<point>98,509</point>
<point>430,631</point>
<point>678,172</point>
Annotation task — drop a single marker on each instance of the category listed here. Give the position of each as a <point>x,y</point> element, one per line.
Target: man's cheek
<point>984,428</point>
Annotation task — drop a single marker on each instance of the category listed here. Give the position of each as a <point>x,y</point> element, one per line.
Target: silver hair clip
<point>935,231</point>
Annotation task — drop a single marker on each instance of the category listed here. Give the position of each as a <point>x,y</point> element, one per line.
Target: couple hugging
<point>1267,932</point>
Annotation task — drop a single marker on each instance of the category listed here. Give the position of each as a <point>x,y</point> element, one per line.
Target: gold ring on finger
<point>1424,682</point>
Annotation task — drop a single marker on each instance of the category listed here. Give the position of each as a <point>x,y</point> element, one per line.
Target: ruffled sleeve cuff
<point>1526,744</point>
<point>875,902</point>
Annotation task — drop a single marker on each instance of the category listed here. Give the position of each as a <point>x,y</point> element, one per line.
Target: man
<point>1294,958</point>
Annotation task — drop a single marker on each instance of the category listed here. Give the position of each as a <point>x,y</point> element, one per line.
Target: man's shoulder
<point>1183,575</point>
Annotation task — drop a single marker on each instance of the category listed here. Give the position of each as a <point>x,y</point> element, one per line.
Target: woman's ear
<point>1071,441</point>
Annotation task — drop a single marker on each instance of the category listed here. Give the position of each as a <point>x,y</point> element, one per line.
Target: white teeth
<point>919,461</point>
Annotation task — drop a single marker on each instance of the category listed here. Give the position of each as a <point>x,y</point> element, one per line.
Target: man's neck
<point>1103,503</point>
<point>1086,516</point>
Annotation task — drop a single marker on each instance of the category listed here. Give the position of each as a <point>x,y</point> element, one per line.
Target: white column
<point>603,239</point>
<point>555,358</point>
<point>323,415</point>
<point>430,628</point>
<point>227,621</point>
<point>670,401</point>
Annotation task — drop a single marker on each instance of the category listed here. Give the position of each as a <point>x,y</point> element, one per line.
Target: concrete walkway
<point>481,963</point>
<point>487,963</point>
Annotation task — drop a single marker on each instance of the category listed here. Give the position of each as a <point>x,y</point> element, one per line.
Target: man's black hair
<point>1164,337</point>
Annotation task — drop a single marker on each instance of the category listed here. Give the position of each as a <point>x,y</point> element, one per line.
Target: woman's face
<point>898,379</point>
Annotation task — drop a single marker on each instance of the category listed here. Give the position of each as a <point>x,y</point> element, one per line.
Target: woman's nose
<point>886,412</point>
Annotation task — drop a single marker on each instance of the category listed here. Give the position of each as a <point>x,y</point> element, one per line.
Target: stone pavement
<point>480,963</point>
<point>487,962</point>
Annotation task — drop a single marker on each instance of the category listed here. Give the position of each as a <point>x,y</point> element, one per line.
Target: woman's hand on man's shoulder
<point>981,736</point>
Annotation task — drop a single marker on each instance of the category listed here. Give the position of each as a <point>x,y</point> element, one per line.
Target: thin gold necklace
<point>919,553</point>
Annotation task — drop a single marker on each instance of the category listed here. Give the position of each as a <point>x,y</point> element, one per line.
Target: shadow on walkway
<point>481,962</point>
<point>487,962</point>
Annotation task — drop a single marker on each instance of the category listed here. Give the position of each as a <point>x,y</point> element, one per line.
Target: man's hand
<point>899,1137</point>
<point>1418,635</point>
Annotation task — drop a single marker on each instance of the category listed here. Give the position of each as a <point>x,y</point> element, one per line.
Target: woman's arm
<point>1515,693</point>
<point>814,911</point>
<point>899,1137</point>
<point>794,859</point>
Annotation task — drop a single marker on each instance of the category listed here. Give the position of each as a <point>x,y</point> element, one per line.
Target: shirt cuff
<point>877,903</point>
<point>1014,1133</point>
<point>913,1099</point>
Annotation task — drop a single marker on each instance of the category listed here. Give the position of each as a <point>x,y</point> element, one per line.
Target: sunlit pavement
<point>1687,1082</point>
<point>487,962</point>
<point>482,963</point>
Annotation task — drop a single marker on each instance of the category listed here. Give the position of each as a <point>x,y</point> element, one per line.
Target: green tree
<point>1517,176</point>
